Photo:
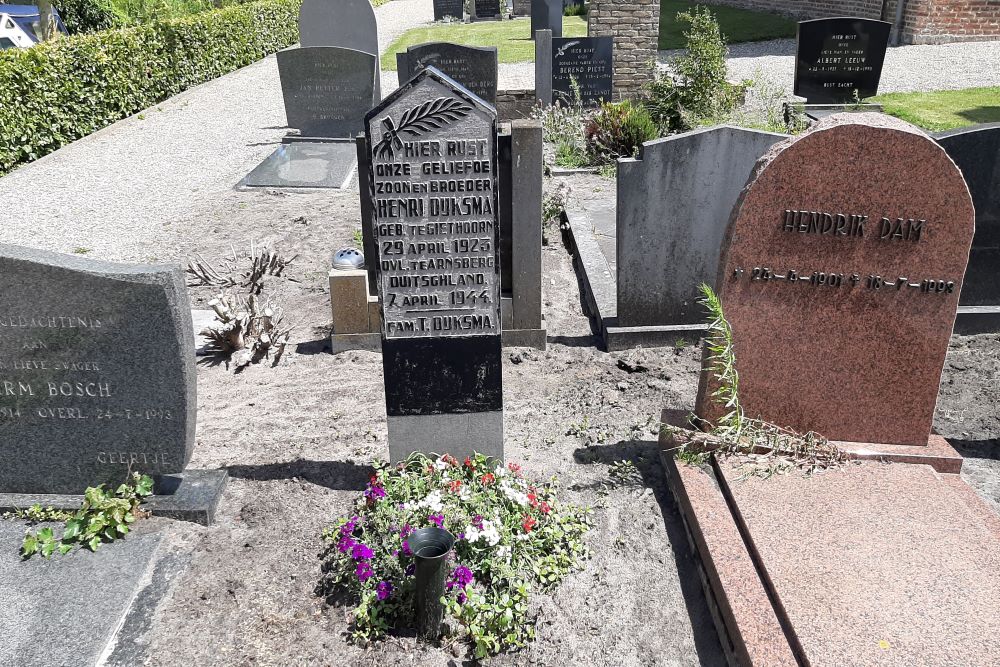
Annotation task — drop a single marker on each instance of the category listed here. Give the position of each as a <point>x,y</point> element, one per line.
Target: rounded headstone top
<point>347,259</point>
<point>349,24</point>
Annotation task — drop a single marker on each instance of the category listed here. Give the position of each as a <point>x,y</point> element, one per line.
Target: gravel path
<point>907,68</point>
<point>118,192</point>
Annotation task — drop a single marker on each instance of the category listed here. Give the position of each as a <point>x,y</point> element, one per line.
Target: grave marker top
<point>840,276</point>
<point>97,374</point>
<point>349,24</point>
<point>837,56</point>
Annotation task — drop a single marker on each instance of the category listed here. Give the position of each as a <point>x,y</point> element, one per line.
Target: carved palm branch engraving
<point>432,114</point>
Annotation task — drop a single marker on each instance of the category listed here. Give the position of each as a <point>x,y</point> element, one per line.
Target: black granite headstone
<point>487,9</point>
<point>547,15</point>
<point>97,375</point>
<point>327,90</point>
<point>433,183</point>
<point>473,67</point>
<point>836,57</point>
<point>562,62</point>
<point>976,151</point>
<point>446,8</point>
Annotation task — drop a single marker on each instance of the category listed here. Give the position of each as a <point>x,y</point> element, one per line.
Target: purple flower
<point>462,598</point>
<point>406,549</point>
<point>374,492</point>
<point>364,571</point>
<point>477,521</point>
<point>383,590</point>
<point>437,520</point>
<point>361,552</point>
<point>406,530</point>
<point>461,536</point>
<point>348,528</point>
<point>345,544</point>
<point>461,577</point>
<point>410,569</point>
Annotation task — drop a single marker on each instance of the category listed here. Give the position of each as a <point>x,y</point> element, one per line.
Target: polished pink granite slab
<point>877,564</point>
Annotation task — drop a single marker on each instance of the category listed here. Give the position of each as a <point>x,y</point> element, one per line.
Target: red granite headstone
<point>840,275</point>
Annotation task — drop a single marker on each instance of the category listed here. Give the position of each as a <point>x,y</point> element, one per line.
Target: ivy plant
<point>103,517</point>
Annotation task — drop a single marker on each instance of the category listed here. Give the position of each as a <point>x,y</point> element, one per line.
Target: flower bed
<point>513,538</point>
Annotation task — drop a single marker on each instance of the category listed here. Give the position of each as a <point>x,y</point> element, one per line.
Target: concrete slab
<point>67,610</point>
<point>304,164</point>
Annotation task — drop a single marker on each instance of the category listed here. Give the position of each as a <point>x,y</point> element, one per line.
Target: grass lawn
<point>738,25</point>
<point>510,38</point>
<point>944,109</point>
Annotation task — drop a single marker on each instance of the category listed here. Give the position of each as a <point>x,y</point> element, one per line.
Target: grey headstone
<point>304,164</point>
<point>348,24</point>
<point>976,151</point>
<point>674,203</point>
<point>434,189</point>
<point>473,67</point>
<point>66,611</point>
<point>327,90</point>
<point>97,373</point>
<point>446,8</point>
<point>547,15</point>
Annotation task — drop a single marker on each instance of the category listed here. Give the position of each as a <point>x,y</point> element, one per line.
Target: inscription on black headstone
<point>585,61</point>
<point>327,90</point>
<point>487,9</point>
<point>452,8</point>
<point>473,67</point>
<point>839,56</point>
<point>433,190</point>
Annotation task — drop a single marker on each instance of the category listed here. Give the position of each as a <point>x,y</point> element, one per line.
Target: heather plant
<point>618,130</point>
<point>563,127</point>
<point>513,539</point>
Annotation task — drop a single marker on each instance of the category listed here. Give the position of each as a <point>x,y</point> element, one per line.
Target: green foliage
<point>562,126</point>
<point>55,93</point>
<point>82,16</point>
<point>722,365</point>
<point>739,25</point>
<point>696,87</point>
<point>575,10</point>
<point>103,517</point>
<point>38,514</point>
<point>514,538</point>
<point>618,130</point>
<point>358,239</point>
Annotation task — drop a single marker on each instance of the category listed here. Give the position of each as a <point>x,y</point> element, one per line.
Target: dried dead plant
<point>247,330</point>
<point>260,262</point>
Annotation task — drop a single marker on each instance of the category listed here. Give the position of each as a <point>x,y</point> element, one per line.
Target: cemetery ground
<point>944,109</point>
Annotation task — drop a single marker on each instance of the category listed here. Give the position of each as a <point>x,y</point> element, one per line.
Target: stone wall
<point>635,25</point>
<point>924,21</point>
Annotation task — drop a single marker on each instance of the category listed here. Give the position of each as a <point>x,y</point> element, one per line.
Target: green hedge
<point>88,15</point>
<point>58,92</point>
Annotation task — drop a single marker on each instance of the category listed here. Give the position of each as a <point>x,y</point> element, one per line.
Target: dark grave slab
<point>446,8</point>
<point>547,15</point>
<point>841,278</point>
<point>486,9</point>
<point>304,164</point>
<point>837,56</point>
<point>561,61</point>
<point>674,204</point>
<point>976,151</point>
<point>473,67</point>
<point>327,90</point>
<point>67,611</point>
<point>433,183</point>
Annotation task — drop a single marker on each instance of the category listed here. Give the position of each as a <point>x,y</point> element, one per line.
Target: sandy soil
<point>298,441</point>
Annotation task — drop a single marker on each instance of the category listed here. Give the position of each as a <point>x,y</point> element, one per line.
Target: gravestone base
<point>459,434</point>
<point>304,162</point>
<point>372,342</point>
<point>893,555</point>
<point>599,289</point>
<point>973,320</point>
<point>189,496</point>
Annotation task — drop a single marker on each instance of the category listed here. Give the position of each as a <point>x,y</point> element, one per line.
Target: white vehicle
<point>20,26</point>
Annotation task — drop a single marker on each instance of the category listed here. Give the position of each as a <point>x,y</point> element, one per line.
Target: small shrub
<point>562,126</point>
<point>618,130</point>
<point>513,539</point>
<point>575,10</point>
<point>696,87</point>
<point>81,16</point>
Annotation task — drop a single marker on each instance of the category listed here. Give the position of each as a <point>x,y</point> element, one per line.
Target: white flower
<point>515,495</point>
<point>432,502</point>
<point>500,471</point>
<point>488,534</point>
<point>440,464</point>
<point>504,553</point>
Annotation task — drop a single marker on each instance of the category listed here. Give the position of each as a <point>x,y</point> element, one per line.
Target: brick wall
<point>924,21</point>
<point>635,25</point>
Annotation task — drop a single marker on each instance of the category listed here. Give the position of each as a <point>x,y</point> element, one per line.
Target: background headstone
<point>97,374</point>
<point>433,184</point>
<point>327,90</point>
<point>349,24</point>
<point>473,67</point>
<point>840,276</point>
<point>452,8</point>
<point>674,203</point>
<point>547,15</point>
<point>838,56</point>
<point>976,151</point>
<point>486,9</point>
<point>561,61</point>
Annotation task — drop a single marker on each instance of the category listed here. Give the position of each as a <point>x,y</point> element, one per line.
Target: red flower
<point>450,460</point>
<point>528,523</point>
<point>454,486</point>
<point>545,508</point>
<point>533,499</point>
<point>513,467</point>
<point>469,463</point>
<point>488,478</point>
